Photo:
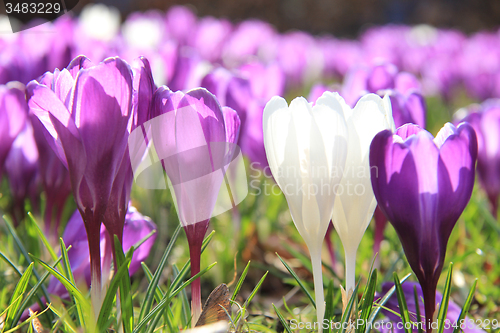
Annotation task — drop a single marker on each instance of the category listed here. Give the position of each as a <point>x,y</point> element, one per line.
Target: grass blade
<point>348,310</point>
<point>381,303</point>
<point>283,320</point>
<point>32,292</point>
<point>443,308</point>
<point>166,300</point>
<point>329,308</point>
<point>301,285</point>
<point>237,288</point>
<point>72,289</point>
<point>150,293</point>
<point>417,308</point>
<point>127,310</point>
<point>107,303</point>
<point>367,299</point>
<point>466,307</point>
<point>403,308</point>
<point>40,234</point>
<point>23,251</point>
<point>68,273</point>
<point>17,297</point>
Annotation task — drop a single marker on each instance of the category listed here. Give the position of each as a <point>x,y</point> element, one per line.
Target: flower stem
<point>329,246</point>
<point>378,237</point>
<point>429,293</point>
<point>494,205</point>
<point>95,271</point>
<point>195,234</point>
<point>350,270</point>
<point>318,284</point>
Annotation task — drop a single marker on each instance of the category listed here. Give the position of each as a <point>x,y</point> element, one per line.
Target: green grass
<point>245,247</point>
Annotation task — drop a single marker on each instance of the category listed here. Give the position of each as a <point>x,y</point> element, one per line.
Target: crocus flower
<point>406,108</point>
<point>372,79</point>
<point>408,289</point>
<point>355,203</point>
<point>266,81</point>
<point>181,23</point>
<point>236,92</point>
<point>13,115</point>
<point>21,168</point>
<point>422,184</point>
<point>136,227</point>
<point>54,178</point>
<point>195,139</point>
<point>86,110</point>
<point>210,36</point>
<point>485,119</point>
<point>306,146</point>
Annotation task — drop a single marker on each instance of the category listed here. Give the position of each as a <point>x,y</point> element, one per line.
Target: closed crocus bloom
<point>266,81</point>
<point>181,23</point>
<point>54,178</point>
<point>21,168</point>
<point>237,93</point>
<point>306,146</point>
<point>142,99</point>
<point>210,36</point>
<point>485,119</point>
<point>13,115</point>
<point>86,110</point>
<point>407,108</point>
<point>355,201</point>
<point>422,185</point>
<point>194,138</point>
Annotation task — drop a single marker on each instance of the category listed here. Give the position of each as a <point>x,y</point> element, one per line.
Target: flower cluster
<point>188,93</point>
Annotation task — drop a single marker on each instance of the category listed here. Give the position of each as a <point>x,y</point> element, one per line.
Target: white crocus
<point>306,146</point>
<point>355,202</point>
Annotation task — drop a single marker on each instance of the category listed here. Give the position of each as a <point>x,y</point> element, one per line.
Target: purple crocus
<point>422,184</point>
<point>210,36</point>
<point>13,115</point>
<point>86,110</point>
<point>485,119</point>
<point>408,289</point>
<point>407,108</point>
<point>194,138</point>
<point>372,79</point>
<point>21,168</point>
<point>237,93</point>
<point>54,178</point>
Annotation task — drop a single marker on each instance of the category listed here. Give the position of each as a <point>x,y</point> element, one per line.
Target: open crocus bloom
<point>422,185</point>
<point>306,146</point>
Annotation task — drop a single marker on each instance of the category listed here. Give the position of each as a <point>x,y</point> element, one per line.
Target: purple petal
<point>144,88</point>
<point>13,115</point>
<point>101,111</point>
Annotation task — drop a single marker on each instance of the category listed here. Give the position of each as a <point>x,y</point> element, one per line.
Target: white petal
<point>276,119</point>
